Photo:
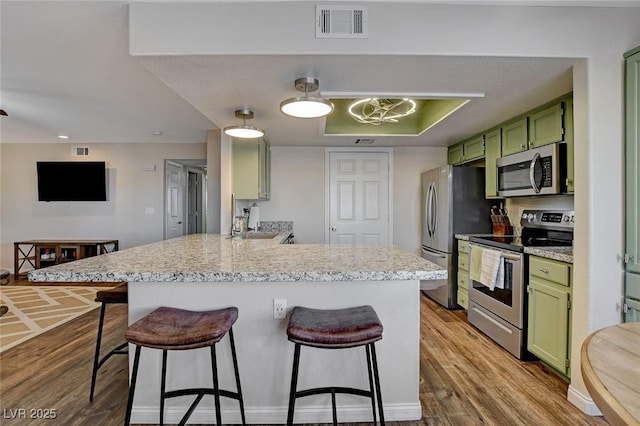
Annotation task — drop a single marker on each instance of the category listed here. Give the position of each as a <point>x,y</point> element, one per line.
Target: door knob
<point>333,228</point>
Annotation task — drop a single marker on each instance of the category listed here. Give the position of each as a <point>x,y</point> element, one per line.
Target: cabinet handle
<point>544,271</point>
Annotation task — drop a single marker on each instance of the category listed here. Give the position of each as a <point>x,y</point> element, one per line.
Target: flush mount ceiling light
<point>377,111</point>
<point>306,106</point>
<point>244,131</point>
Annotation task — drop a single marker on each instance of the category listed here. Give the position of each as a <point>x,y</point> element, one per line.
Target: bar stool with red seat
<point>118,294</point>
<point>171,329</point>
<point>336,329</point>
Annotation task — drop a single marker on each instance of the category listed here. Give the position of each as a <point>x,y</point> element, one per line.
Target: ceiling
<point>66,70</point>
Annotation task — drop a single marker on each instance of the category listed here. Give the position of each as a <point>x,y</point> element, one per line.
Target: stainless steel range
<point>501,312</point>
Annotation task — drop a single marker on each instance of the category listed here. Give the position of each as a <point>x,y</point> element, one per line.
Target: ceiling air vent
<point>79,151</point>
<point>364,141</point>
<point>341,21</point>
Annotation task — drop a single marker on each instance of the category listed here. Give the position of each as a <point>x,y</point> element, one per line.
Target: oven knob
<point>530,216</point>
<point>571,219</point>
<point>565,218</point>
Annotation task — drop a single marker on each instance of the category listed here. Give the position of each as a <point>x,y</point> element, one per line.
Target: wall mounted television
<point>72,181</point>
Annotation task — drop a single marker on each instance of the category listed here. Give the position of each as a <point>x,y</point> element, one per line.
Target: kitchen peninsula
<point>205,271</point>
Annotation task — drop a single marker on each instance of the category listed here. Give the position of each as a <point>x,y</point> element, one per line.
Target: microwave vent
<point>341,21</point>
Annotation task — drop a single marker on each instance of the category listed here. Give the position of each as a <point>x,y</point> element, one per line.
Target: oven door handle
<point>514,258</point>
<point>503,254</point>
<point>488,318</point>
<point>532,172</point>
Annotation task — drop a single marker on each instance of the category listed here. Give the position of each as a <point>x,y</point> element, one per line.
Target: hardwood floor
<point>466,379</point>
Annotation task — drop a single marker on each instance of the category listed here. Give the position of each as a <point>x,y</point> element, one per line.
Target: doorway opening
<point>185,185</point>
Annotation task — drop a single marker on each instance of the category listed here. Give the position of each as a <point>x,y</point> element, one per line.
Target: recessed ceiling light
<point>63,136</point>
<point>157,133</point>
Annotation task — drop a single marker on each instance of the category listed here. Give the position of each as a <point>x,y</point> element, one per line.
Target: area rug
<point>35,309</point>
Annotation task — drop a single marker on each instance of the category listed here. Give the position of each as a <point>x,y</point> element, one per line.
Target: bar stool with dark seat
<point>118,294</point>
<point>178,329</point>
<point>336,329</point>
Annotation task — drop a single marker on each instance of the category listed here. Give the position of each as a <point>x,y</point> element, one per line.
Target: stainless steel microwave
<point>538,171</point>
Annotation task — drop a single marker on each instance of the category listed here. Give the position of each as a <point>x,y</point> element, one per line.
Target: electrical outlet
<point>279,308</point>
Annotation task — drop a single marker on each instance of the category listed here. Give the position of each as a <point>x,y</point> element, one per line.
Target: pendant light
<point>244,131</point>
<point>306,106</point>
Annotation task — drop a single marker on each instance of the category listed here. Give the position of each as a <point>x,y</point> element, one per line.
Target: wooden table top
<point>610,365</point>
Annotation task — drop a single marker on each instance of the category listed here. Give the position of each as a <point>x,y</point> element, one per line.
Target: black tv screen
<point>72,181</point>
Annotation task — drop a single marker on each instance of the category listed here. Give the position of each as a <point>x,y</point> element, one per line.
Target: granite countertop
<point>217,258</point>
<point>562,254</point>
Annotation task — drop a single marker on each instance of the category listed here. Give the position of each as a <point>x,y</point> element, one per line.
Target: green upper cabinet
<point>546,126</point>
<point>514,136</point>
<point>493,151</point>
<point>632,187</point>
<point>469,150</point>
<point>568,138</point>
<point>473,148</point>
<point>251,169</point>
<point>455,154</point>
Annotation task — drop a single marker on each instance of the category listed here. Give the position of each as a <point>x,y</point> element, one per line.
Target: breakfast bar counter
<point>205,271</point>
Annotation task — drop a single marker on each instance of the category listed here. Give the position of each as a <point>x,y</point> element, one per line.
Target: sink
<point>257,235</point>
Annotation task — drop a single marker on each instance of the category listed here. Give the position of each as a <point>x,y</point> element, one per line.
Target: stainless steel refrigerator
<point>452,203</point>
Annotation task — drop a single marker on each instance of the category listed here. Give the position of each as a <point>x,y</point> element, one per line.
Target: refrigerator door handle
<point>427,208</point>
<point>435,210</point>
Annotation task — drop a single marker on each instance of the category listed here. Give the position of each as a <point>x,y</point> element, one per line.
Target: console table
<point>42,253</point>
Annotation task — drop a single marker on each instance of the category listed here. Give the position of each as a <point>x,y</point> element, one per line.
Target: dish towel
<point>487,267</point>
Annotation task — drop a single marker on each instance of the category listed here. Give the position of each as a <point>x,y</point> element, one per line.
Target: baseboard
<point>583,402</point>
<point>278,415</point>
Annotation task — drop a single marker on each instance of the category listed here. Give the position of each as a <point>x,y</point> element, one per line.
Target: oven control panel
<point>547,218</point>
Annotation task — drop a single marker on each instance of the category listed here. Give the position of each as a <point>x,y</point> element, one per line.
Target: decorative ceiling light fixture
<point>306,106</point>
<point>244,131</point>
<point>377,111</point>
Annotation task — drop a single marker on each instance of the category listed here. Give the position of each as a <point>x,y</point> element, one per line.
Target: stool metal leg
<point>132,387</point>
<point>94,374</point>
<point>377,380</point>
<point>163,385</point>
<point>294,384</point>
<point>334,411</point>
<point>373,395</point>
<point>216,390</point>
<point>237,372</point>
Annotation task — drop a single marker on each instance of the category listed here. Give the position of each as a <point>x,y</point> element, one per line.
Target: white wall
<point>122,217</point>
<point>297,191</point>
<point>408,164</point>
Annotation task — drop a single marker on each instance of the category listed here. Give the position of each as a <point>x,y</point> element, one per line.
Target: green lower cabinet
<point>549,319</point>
<point>463,274</point>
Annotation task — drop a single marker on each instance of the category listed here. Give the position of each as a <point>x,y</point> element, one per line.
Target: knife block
<point>502,229</point>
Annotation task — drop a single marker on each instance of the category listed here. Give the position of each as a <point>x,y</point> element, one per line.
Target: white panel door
<point>359,197</point>
<point>174,209</point>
